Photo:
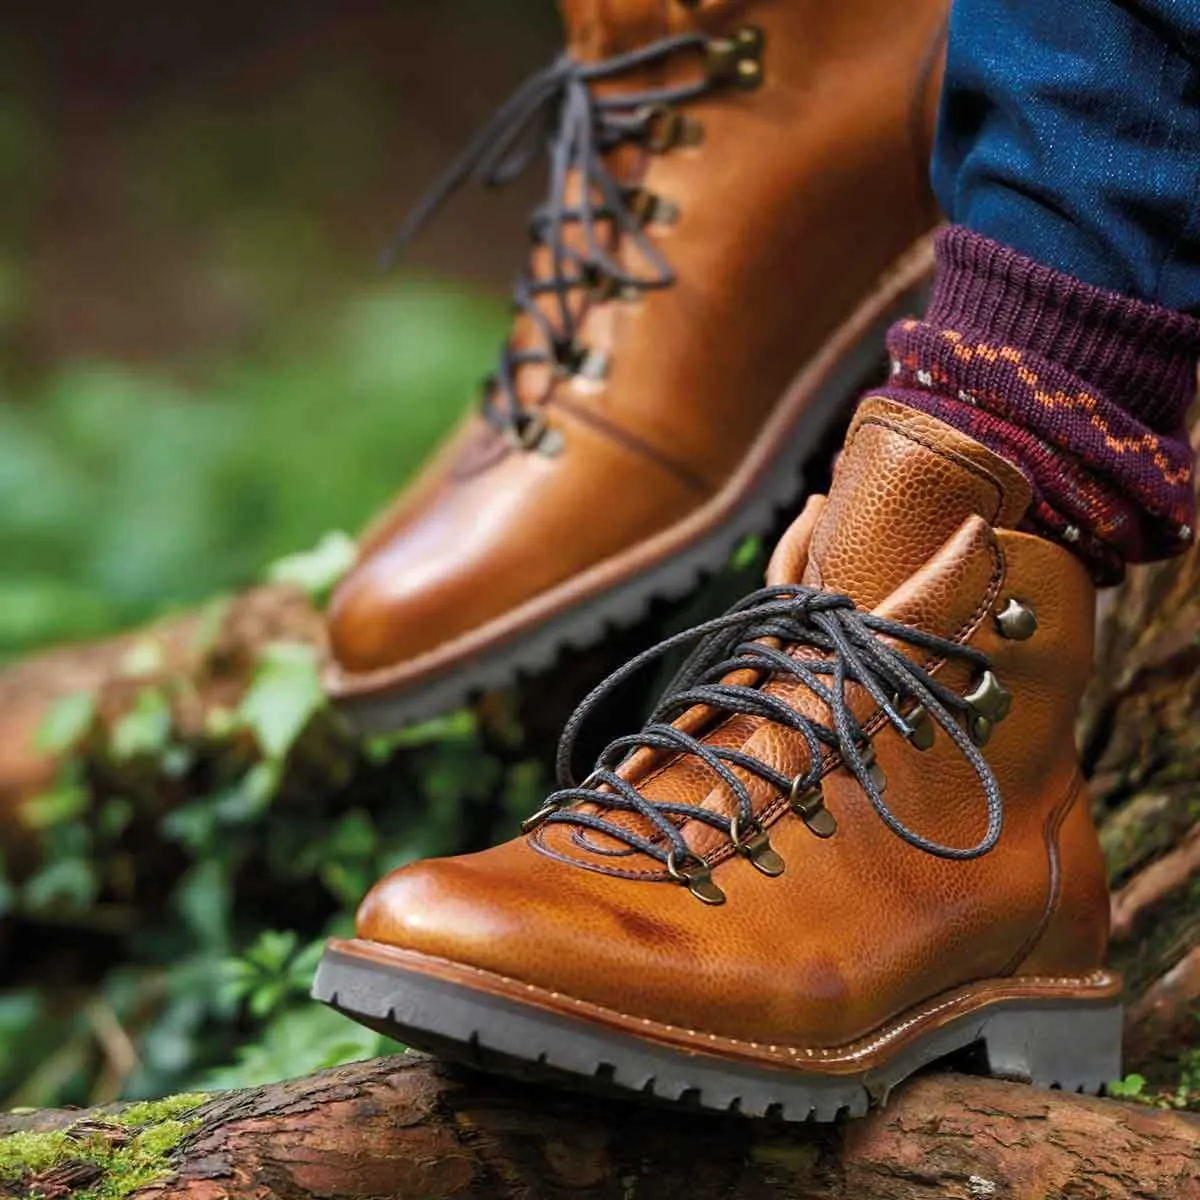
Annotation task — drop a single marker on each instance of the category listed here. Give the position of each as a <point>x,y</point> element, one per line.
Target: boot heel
<point>1073,1047</point>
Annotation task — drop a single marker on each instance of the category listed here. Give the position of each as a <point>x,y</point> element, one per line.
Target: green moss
<point>151,1112</point>
<point>21,1152</point>
<point>156,1128</point>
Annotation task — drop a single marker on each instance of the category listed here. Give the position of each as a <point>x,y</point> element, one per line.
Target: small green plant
<point>1129,1088</point>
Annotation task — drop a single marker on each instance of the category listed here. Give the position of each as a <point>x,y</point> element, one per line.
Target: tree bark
<point>406,1127</point>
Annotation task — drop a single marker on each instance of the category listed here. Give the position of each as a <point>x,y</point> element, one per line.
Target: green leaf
<point>285,694</point>
<point>1128,1088</point>
<point>67,723</point>
<point>203,898</point>
<point>454,726</point>
<point>66,882</point>
<point>317,571</point>
<point>272,950</point>
<point>746,553</point>
<point>67,801</point>
<point>192,825</point>
<point>145,729</point>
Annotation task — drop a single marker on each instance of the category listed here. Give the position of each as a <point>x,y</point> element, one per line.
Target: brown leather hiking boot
<point>754,174</point>
<point>853,838</point>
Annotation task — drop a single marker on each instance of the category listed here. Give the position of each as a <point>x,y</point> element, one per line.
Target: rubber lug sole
<point>1052,1044</point>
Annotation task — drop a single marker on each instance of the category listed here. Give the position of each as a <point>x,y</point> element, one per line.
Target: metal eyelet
<point>550,807</point>
<point>594,367</point>
<point>603,288</point>
<point>921,728</point>
<point>1016,621</point>
<point>809,805</point>
<point>539,818</point>
<point>533,432</point>
<point>651,209</point>
<point>736,61</point>
<point>874,770</point>
<point>991,702</point>
<point>568,358</point>
<point>665,127</point>
<point>755,845</point>
<point>699,882</point>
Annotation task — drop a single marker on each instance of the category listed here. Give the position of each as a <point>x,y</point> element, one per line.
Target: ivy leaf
<point>318,570</point>
<point>67,722</point>
<point>285,694</point>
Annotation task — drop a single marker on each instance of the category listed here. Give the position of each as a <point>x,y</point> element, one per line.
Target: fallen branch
<point>407,1127</point>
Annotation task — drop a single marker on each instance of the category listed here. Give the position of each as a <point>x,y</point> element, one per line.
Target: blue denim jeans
<point>1070,131</point>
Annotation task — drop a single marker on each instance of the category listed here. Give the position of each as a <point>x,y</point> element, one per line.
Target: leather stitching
<point>981,473</point>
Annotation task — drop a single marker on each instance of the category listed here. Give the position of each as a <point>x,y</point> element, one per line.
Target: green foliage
<point>288,394</point>
<point>214,926</point>
<point>125,493</point>
<point>1183,1094</point>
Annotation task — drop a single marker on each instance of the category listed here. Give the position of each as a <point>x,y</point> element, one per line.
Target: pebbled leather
<point>802,195</point>
<point>861,927</point>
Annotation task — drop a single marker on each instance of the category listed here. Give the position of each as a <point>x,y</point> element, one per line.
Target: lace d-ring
<point>699,882</point>
<point>754,843</point>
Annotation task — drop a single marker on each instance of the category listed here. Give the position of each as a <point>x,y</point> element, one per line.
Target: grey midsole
<point>1052,1043</point>
<point>583,624</point>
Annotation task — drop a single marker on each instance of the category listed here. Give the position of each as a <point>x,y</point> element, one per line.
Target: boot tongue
<point>601,28</point>
<point>904,484</point>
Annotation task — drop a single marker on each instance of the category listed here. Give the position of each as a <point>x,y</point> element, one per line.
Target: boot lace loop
<point>580,128</point>
<point>851,649</point>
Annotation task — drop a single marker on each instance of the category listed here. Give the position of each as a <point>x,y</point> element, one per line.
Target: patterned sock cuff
<point>1086,390</point>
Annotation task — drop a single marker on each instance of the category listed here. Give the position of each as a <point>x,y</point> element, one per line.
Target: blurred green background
<point>200,368</point>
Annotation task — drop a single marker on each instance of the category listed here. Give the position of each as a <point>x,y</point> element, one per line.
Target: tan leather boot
<point>861,843</point>
<point>756,173</point>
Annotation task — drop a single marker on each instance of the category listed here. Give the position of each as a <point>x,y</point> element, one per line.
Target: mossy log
<point>407,1128</point>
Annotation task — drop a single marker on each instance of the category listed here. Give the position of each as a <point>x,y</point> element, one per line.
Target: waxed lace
<point>583,128</point>
<point>750,636</point>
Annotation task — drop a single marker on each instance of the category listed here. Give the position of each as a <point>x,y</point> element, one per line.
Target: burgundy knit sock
<point>1085,390</point>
